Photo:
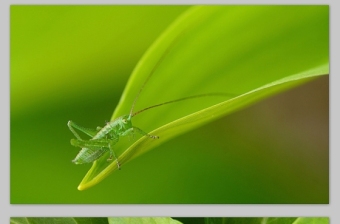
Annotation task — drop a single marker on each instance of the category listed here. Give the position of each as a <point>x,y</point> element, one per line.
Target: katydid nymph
<point>103,139</point>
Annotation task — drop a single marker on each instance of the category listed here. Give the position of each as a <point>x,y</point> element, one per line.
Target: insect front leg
<point>129,132</point>
<point>144,133</point>
<point>72,126</point>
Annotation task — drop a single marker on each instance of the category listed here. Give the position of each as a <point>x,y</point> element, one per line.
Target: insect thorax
<point>116,127</point>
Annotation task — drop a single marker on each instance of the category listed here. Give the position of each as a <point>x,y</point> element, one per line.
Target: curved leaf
<point>226,49</point>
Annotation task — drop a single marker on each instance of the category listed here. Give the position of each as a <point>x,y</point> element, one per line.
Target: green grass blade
<point>252,52</point>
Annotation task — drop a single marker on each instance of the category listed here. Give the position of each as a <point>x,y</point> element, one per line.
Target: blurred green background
<point>72,63</point>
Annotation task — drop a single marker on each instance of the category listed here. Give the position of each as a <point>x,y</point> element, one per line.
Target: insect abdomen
<point>87,155</point>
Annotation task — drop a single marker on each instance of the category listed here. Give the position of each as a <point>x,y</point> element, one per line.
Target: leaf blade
<point>189,39</point>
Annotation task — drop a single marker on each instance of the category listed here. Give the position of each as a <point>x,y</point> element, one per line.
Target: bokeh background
<point>72,63</point>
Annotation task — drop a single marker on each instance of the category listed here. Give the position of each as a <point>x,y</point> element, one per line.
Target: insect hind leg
<point>112,153</point>
<point>72,126</point>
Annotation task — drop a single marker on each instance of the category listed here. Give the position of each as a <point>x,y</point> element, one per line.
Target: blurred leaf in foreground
<point>142,220</point>
<point>271,220</point>
<point>59,220</point>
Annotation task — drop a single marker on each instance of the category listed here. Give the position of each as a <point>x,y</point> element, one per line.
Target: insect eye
<point>124,120</point>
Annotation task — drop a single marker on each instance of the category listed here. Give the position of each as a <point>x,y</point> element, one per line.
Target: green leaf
<point>142,220</point>
<point>311,220</point>
<point>66,220</point>
<point>283,220</point>
<point>249,52</point>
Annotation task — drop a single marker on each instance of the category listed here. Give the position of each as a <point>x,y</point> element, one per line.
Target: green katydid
<point>103,139</point>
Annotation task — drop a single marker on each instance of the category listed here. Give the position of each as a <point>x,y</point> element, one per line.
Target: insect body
<point>103,140</point>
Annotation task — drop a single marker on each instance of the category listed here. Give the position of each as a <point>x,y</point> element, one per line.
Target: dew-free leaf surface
<point>249,52</point>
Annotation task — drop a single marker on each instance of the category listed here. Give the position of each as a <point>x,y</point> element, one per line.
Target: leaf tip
<point>84,185</point>
<point>81,187</point>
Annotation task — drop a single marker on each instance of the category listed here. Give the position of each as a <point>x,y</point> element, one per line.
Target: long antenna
<point>184,98</point>
<point>153,70</point>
